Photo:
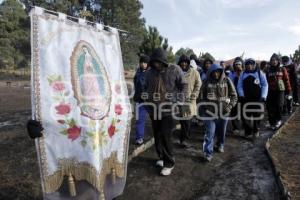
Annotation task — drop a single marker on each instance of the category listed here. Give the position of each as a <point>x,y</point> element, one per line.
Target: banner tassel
<point>113,176</point>
<point>72,188</point>
<point>102,195</point>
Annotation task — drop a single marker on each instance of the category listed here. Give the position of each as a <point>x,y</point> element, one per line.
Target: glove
<point>262,99</point>
<point>34,129</point>
<point>227,100</point>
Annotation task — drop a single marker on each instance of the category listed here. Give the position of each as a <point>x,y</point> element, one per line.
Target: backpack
<point>259,75</point>
<point>252,90</point>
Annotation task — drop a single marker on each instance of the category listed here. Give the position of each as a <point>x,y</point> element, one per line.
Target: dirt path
<point>242,172</point>
<point>284,149</point>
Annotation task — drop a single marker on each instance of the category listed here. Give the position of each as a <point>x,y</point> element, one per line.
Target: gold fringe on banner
<point>113,176</point>
<point>84,171</point>
<point>102,195</point>
<point>72,188</point>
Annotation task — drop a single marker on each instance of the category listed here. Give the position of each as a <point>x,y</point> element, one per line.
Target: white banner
<point>80,97</point>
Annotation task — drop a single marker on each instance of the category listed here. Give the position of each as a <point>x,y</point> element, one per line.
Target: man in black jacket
<point>165,86</point>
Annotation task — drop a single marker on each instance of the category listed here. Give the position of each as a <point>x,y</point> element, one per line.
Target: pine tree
<point>296,56</point>
<point>125,15</point>
<point>69,7</point>
<point>14,35</point>
<point>152,40</point>
<point>122,14</point>
<point>186,51</point>
<point>207,56</point>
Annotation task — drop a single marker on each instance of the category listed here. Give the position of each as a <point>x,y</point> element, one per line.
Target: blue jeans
<point>214,127</point>
<point>140,121</point>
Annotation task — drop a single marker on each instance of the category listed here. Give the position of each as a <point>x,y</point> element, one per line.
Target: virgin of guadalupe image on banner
<point>79,95</point>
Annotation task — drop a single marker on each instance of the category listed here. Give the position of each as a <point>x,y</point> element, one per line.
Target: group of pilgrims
<point>207,93</point>
<point>212,94</point>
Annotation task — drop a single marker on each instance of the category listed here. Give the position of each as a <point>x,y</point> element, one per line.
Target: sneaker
<point>139,141</point>
<point>166,171</point>
<point>278,124</point>
<point>236,132</point>
<point>273,127</point>
<point>221,149</point>
<point>208,157</point>
<point>160,163</point>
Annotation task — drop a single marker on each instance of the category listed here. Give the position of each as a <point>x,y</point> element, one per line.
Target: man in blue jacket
<point>252,88</point>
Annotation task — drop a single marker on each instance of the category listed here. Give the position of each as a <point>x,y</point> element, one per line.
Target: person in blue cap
<point>252,88</point>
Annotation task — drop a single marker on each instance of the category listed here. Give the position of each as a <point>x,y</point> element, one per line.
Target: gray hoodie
<point>221,92</point>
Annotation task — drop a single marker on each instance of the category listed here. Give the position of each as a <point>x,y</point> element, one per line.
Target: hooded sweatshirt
<point>169,82</point>
<point>275,74</point>
<point>203,73</point>
<point>291,70</point>
<point>253,84</point>
<point>233,75</point>
<point>221,92</point>
<point>139,84</point>
<point>184,58</point>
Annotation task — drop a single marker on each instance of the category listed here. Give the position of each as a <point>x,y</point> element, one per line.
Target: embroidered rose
<point>118,89</point>
<point>111,130</point>
<point>58,86</point>
<point>74,132</point>
<point>63,109</point>
<point>118,109</point>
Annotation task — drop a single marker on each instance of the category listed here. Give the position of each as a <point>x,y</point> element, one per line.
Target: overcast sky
<point>227,28</point>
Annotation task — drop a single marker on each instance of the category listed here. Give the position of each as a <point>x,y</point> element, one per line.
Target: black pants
<point>288,105</point>
<point>162,130</point>
<point>295,93</point>
<point>251,126</point>
<point>235,122</point>
<point>185,130</point>
<point>274,106</point>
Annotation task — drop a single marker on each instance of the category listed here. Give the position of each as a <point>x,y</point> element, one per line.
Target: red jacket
<point>278,73</point>
<point>292,72</point>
